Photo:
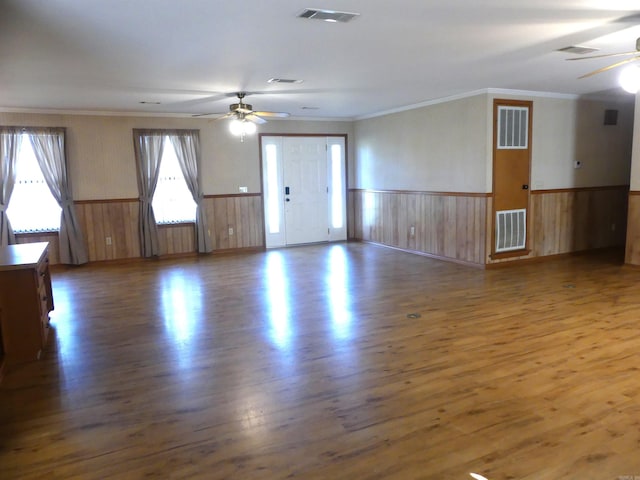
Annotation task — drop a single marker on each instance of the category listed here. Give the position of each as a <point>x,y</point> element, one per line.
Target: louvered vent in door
<point>513,125</point>
<point>511,230</point>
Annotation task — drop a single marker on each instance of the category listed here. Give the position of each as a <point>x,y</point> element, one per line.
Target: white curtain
<point>187,147</point>
<point>148,146</point>
<point>9,141</point>
<point>48,147</point>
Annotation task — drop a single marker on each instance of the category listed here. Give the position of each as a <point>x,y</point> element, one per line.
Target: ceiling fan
<point>636,56</point>
<point>244,111</point>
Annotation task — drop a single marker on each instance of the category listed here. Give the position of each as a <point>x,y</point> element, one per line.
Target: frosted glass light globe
<point>249,127</point>
<point>235,127</point>
<point>630,79</point>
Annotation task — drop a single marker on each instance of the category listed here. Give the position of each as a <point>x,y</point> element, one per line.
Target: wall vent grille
<point>513,126</point>
<point>511,230</point>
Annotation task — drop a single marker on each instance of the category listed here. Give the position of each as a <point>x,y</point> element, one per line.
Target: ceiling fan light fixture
<point>242,127</point>
<point>629,79</point>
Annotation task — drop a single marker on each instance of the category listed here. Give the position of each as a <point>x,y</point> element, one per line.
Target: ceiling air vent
<point>328,15</point>
<point>577,50</point>
<point>283,80</point>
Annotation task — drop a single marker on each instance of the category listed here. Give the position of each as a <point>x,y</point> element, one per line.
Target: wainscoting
<point>573,220</point>
<point>457,226</point>
<point>118,221</point>
<point>451,226</point>
<point>242,213</point>
<point>446,225</point>
<point>632,253</point>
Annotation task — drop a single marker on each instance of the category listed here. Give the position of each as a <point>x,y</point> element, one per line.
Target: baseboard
<point>168,256</point>
<point>424,254</point>
<point>555,256</point>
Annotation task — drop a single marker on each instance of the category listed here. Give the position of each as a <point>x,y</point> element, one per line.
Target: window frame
<point>162,223</point>
<point>25,132</point>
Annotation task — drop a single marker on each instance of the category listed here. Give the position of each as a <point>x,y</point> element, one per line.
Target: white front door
<point>304,189</point>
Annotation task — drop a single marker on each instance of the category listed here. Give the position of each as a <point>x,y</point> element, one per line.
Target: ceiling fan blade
<point>603,56</point>
<point>252,117</point>
<point>206,114</point>
<point>604,69</point>
<point>273,114</point>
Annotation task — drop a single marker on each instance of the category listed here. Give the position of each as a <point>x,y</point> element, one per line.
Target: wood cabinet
<point>25,302</point>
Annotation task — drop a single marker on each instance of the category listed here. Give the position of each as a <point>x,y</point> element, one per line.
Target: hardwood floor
<point>303,363</point>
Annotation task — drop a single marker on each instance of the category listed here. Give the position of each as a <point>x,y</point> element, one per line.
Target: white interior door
<point>305,185</point>
<point>304,189</point>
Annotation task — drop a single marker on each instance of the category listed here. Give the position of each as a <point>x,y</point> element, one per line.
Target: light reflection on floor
<point>278,299</point>
<point>64,330</point>
<point>339,293</point>
<point>182,311</point>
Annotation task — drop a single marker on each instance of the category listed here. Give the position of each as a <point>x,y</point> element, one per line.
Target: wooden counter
<point>25,302</point>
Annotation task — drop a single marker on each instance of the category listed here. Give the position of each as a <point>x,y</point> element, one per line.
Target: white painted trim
<point>115,113</point>
<point>527,93</point>
<point>484,91</point>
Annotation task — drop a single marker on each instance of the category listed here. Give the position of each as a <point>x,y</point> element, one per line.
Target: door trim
<point>346,172</point>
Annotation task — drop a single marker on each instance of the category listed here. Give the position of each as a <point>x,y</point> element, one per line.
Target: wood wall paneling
<point>242,213</point>
<point>576,220</point>
<point>445,225</point>
<point>457,226</point>
<point>449,225</point>
<point>118,219</point>
<point>632,251</point>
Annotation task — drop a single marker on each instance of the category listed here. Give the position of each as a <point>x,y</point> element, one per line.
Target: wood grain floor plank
<point>306,363</point>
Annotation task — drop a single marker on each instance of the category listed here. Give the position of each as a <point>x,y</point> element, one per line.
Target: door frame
<point>346,173</point>
<point>526,250</point>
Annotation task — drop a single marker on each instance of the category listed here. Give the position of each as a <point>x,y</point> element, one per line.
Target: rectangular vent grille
<point>511,230</point>
<point>283,80</point>
<point>513,127</point>
<point>577,50</point>
<point>328,15</point>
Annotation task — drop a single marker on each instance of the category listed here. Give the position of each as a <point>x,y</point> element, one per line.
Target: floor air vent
<point>511,230</point>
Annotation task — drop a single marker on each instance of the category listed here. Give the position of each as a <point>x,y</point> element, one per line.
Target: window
<point>32,208</point>
<point>172,200</point>
<point>337,189</point>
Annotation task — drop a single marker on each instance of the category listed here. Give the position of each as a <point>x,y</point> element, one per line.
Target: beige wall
<point>448,146</point>
<point>441,147</point>
<point>635,165</point>
<point>632,254</point>
<point>100,150</point>
<point>566,129</point>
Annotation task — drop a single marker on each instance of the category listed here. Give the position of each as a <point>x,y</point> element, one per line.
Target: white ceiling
<point>109,55</point>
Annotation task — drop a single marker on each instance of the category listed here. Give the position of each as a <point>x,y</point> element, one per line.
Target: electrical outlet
<point>243,189</point>
<point>577,164</point>
<point>230,230</point>
<point>613,227</point>
<point>108,240</point>
<point>412,230</point>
